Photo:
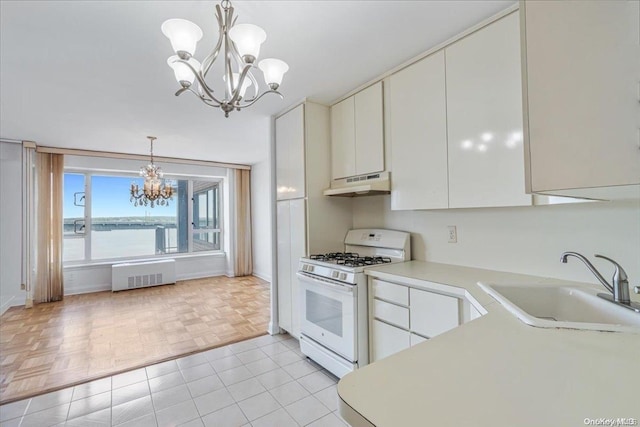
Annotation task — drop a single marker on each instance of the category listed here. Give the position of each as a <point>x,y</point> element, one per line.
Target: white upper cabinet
<point>581,85</point>
<point>418,132</point>
<point>343,139</point>
<point>484,118</point>
<point>357,136</point>
<point>290,159</point>
<point>369,130</point>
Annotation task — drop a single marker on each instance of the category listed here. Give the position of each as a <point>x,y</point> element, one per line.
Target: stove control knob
<point>305,267</point>
<point>343,276</point>
<point>334,274</point>
<point>310,269</point>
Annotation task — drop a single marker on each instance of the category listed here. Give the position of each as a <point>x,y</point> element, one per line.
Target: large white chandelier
<point>154,191</point>
<point>240,44</point>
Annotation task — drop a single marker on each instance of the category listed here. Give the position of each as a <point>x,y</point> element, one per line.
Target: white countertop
<point>495,370</point>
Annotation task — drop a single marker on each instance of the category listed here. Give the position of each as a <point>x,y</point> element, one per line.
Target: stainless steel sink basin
<point>549,306</point>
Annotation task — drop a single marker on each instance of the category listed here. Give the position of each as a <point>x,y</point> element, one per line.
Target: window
<point>101,223</point>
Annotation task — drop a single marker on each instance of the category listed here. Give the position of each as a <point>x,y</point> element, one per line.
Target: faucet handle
<point>620,274</point>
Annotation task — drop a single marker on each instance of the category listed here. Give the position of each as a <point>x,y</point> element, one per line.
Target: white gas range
<point>334,323</point>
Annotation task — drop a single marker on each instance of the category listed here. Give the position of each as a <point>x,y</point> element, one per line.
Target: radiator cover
<point>142,274</point>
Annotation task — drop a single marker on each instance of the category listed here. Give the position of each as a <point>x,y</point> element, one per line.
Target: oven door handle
<point>336,286</point>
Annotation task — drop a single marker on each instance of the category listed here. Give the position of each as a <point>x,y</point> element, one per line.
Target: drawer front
<point>417,339</point>
<point>433,314</point>
<point>387,340</point>
<point>390,292</point>
<point>391,313</point>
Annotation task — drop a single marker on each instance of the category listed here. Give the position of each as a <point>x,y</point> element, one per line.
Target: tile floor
<point>263,381</point>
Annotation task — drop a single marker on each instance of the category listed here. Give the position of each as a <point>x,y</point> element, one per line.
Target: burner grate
<point>334,256</point>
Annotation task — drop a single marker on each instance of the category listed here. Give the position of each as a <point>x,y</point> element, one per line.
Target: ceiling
<point>93,74</point>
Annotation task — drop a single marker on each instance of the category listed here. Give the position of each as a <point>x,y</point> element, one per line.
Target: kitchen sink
<point>548,306</point>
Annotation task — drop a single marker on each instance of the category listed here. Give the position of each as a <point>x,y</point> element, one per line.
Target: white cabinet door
<point>369,130</point>
<point>484,118</point>
<point>419,135</point>
<point>298,249</point>
<point>387,340</point>
<point>283,236</point>
<point>343,139</point>
<point>290,164</point>
<point>417,339</point>
<point>582,76</point>
<point>432,314</point>
<point>291,243</point>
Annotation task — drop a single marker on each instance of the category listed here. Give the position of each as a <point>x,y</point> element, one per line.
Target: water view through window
<point>118,229</point>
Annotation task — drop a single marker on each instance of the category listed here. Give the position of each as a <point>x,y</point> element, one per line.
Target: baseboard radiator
<point>142,274</point>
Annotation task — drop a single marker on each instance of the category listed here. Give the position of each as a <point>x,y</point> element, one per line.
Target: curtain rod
<point>113,155</point>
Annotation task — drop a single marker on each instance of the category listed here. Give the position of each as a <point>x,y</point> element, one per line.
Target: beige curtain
<point>242,233</point>
<point>48,284</point>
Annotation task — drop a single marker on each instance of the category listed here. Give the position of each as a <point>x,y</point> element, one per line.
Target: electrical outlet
<point>453,234</point>
<point>23,287</point>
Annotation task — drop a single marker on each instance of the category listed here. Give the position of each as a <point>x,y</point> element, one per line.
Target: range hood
<point>364,185</point>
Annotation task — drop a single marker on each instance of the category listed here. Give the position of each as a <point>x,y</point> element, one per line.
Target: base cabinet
<point>402,316</point>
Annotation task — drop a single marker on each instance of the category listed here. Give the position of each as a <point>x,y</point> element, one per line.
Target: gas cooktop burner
<point>334,256</point>
<point>350,259</point>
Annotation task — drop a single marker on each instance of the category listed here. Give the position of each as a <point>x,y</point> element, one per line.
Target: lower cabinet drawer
<point>391,313</point>
<point>387,340</point>
<point>390,292</point>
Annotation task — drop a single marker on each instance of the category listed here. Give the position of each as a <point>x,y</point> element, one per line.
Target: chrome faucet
<point>620,283</point>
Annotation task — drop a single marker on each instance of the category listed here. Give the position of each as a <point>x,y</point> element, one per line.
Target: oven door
<point>328,313</point>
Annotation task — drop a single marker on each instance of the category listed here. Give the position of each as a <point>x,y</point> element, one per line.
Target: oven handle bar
<point>336,286</point>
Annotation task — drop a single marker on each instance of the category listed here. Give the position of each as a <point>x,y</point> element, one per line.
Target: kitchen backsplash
<point>526,240</point>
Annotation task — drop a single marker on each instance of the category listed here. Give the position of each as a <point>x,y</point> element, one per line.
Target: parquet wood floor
<point>89,336</point>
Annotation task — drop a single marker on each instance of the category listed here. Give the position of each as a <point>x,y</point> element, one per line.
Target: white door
<point>329,314</point>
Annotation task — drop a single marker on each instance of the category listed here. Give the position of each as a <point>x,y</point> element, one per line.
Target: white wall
<point>261,219</point>
<point>525,240</point>
<point>10,225</point>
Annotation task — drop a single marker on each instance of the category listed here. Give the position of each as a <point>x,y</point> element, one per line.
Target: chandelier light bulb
<point>236,78</point>
<point>184,36</point>
<point>183,73</point>
<point>273,70</point>
<point>248,38</point>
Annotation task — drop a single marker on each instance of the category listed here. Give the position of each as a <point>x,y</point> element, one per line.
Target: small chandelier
<point>241,44</point>
<point>155,191</point>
